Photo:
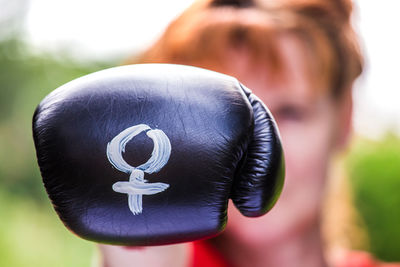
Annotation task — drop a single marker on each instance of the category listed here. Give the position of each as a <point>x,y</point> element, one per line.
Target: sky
<point>97,29</point>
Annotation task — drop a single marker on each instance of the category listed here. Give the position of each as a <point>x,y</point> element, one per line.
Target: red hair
<point>202,34</point>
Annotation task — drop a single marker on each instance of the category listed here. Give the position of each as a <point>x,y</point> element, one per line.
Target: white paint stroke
<point>137,186</point>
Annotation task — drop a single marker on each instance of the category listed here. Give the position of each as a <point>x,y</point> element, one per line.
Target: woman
<point>301,58</point>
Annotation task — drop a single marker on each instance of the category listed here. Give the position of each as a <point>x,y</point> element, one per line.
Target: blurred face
<point>311,125</point>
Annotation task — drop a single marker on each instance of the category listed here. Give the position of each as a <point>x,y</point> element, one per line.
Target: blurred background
<point>45,43</point>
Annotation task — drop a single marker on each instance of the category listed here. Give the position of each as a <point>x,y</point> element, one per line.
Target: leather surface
<point>224,143</point>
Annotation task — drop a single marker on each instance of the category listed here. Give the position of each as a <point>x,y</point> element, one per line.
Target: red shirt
<point>204,254</point>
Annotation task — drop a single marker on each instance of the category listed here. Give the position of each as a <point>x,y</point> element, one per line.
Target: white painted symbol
<point>137,186</point>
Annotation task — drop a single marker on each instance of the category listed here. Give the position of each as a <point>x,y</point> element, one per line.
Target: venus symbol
<point>137,186</point>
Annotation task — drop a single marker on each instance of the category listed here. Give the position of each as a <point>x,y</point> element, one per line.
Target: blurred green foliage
<point>25,78</point>
<point>374,168</point>
<point>30,232</point>
<point>32,235</point>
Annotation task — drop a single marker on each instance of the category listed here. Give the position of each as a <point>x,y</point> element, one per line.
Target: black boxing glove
<point>150,154</point>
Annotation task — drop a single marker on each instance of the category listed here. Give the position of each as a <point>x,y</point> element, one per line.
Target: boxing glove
<point>150,154</point>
